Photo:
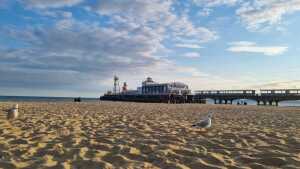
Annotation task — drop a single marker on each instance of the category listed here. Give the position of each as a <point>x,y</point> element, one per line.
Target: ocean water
<point>295,103</point>
<point>41,99</point>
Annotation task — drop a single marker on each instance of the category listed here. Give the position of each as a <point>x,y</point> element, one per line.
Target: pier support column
<point>258,102</point>
<point>231,101</point>
<point>220,101</point>
<point>226,101</point>
<point>215,100</point>
<point>265,103</point>
<point>271,103</point>
<point>276,102</point>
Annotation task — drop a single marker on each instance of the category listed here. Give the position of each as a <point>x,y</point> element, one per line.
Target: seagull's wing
<point>202,124</point>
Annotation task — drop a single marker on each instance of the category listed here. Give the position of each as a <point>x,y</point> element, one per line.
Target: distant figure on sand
<point>78,99</point>
<point>13,113</point>
<point>205,123</point>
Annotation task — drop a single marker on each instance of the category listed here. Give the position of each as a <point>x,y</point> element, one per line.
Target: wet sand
<point>138,135</point>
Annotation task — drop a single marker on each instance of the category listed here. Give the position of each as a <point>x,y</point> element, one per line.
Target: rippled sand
<point>137,135</point>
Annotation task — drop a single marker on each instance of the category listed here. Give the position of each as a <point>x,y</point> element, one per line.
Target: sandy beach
<point>138,135</point>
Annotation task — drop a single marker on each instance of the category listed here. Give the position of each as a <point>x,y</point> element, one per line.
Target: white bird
<point>205,123</point>
<point>13,113</point>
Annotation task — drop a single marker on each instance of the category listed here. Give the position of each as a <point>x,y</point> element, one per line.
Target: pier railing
<point>280,92</point>
<point>225,92</point>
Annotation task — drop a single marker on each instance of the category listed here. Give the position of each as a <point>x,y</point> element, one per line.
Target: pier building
<point>151,87</point>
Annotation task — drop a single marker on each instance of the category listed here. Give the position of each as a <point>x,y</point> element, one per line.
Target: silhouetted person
<point>77,99</point>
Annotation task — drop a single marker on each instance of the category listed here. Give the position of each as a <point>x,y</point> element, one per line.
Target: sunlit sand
<point>138,135</point>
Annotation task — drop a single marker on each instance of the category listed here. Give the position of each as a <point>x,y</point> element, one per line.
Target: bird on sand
<point>205,123</point>
<point>13,113</point>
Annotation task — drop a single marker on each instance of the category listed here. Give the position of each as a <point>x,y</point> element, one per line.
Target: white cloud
<point>191,46</point>
<point>192,55</point>
<point>292,84</point>
<point>251,47</point>
<point>42,4</point>
<point>208,5</point>
<point>67,14</point>
<point>213,3</point>
<point>256,15</point>
<point>65,23</point>
<point>184,30</point>
<point>80,53</point>
<point>138,11</point>
<point>156,15</point>
<point>242,43</point>
<point>259,14</point>
<point>205,12</point>
<point>70,54</point>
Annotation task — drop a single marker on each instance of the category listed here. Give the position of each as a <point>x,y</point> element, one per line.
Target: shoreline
<point>91,100</point>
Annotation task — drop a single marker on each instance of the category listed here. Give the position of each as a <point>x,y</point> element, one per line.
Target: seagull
<point>13,113</point>
<point>205,123</point>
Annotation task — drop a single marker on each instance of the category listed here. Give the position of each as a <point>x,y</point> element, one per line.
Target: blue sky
<point>74,47</point>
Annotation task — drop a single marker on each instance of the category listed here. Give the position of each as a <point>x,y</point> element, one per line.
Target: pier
<point>270,97</point>
<point>264,97</point>
<point>178,92</point>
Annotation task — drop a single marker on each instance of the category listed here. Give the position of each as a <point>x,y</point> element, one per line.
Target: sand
<point>138,135</point>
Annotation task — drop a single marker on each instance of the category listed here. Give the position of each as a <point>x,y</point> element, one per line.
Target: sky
<point>75,47</point>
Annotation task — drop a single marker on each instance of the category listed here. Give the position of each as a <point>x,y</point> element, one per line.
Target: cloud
<point>155,14</point>
<point>191,46</point>
<point>67,14</point>
<point>81,55</point>
<point>42,4</point>
<point>213,3</point>
<point>208,5</point>
<point>75,52</point>
<point>292,84</point>
<point>205,12</point>
<point>255,15</point>
<point>251,47</point>
<point>184,30</point>
<point>192,55</point>
<point>259,14</point>
<point>136,11</point>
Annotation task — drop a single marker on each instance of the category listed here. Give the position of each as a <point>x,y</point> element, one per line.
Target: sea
<point>295,103</point>
<point>43,99</point>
